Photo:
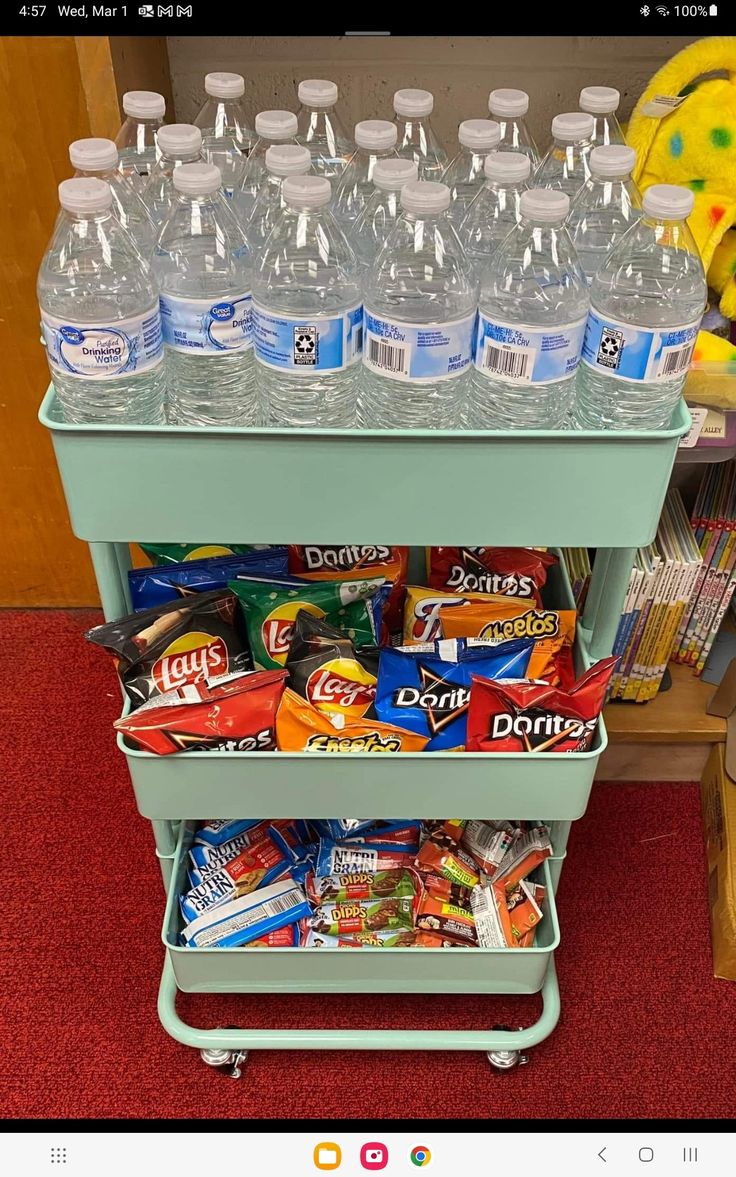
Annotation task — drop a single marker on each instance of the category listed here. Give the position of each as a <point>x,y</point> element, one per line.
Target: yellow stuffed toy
<point>695,145</point>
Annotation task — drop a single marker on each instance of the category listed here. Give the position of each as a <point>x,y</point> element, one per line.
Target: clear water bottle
<point>320,128</point>
<point>375,139</point>
<point>99,158</point>
<point>496,208</point>
<point>566,166</point>
<point>602,102</point>
<point>382,209</point>
<point>203,267</point>
<point>282,160</point>
<point>178,143</point>
<point>308,314</point>
<point>272,126</point>
<point>136,139</point>
<point>100,315</point>
<point>646,305</point>
<point>509,108</point>
<point>604,208</point>
<point>227,137</point>
<point>533,310</point>
<point>419,316</point>
<point>464,175</point>
<point>417,139</point>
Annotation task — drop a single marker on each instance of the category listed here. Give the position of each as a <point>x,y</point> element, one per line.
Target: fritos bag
<point>422,611</point>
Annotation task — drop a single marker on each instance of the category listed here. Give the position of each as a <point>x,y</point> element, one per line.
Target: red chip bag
<point>526,717</point>
<point>505,572</point>
<point>341,561</point>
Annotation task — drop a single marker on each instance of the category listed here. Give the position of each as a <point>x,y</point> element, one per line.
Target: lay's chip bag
<point>302,728</point>
<point>422,611</point>
<point>505,619</point>
<point>427,688</point>
<point>270,608</point>
<point>341,561</point>
<point>326,669</point>
<point>505,572</point>
<point>179,553</point>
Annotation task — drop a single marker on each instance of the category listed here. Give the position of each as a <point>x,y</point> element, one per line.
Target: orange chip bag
<point>502,619</point>
<point>341,562</point>
<point>422,611</point>
<point>300,727</point>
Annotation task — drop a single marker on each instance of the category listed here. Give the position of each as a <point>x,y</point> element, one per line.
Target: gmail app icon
<point>327,1155</point>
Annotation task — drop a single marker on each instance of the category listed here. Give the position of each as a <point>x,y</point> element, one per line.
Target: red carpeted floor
<point>645,1030</point>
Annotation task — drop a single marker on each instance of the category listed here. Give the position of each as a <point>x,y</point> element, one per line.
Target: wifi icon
<point>663,10</point>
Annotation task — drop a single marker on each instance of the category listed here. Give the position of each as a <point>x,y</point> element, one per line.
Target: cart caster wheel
<point>228,1062</point>
<point>506,1060</point>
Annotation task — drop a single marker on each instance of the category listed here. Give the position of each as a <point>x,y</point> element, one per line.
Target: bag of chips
<point>302,728</point>
<point>505,572</point>
<point>507,619</point>
<point>178,553</point>
<point>167,582</point>
<point>341,562</point>
<point>422,611</point>
<point>326,669</point>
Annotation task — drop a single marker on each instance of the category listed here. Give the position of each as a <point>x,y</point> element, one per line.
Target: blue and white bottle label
<point>407,351</point>
<point>528,355</point>
<point>201,325</point>
<point>95,350</point>
<point>641,354</point>
<point>311,343</point>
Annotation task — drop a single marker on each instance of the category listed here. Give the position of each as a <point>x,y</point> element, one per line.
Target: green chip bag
<point>270,608</point>
<point>179,553</point>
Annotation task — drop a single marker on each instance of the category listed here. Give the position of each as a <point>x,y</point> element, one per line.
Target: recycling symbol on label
<point>610,348</point>
<point>305,345</point>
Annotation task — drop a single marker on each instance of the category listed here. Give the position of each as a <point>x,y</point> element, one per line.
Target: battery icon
<point>713,10</point>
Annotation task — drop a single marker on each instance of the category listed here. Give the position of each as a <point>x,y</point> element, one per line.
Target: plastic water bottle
<point>533,310</point>
<point>282,160</point>
<point>320,128</point>
<point>227,137</point>
<point>604,208</point>
<point>647,301</point>
<point>136,139</point>
<point>382,209</point>
<point>99,158</point>
<point>509,108</point>
<point>565,166</point>
<point>272,126</point>
<point>308,314</point>
<point>375,139</point>
<point>203,267</point>
<point>178,143</point>
<point>464,175</point>
<point>496,208</point>
<point>420,308</point>
<point>100,315</point>
<point>602,102</point>
<point>417,139</point>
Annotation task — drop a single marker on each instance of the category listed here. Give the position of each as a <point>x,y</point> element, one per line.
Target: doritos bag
<point>326,669</point>
<point>178,553</point>
<point>505,572</point>
<point>166,582</point>
<point>505,619</point>
<point>302,728</point>
<point>526,717</point>
<point>422,611</point>
<point>342,562</point>
<point>170,645</point>
<point>427,688</point>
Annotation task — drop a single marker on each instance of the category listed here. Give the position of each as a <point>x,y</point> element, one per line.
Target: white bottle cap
<point>276,124</point>
<point>599,99</point>
<point>508,104</point>
<point>425,196</point>
<point>179,139</point>
<point>197,179</point>
<point>479,134</point>
<point>93,155</point>
<point>390,175</point>
<point>414,104</point>
<point>376,134</point>
<point>288,159</point>
<point>223,85</point>
<point>307,191</point>
<point>144,104</point>
<point>668,202</point>
<point>572,127</point>
<point>509,166</point>
<point>546,206</point>
<point>317,92</point>
<point>86,194</point>
<point>614,160</point>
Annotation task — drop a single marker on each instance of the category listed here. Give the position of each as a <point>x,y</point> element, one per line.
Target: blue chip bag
<point>426,688</point>
<point>166,582</point>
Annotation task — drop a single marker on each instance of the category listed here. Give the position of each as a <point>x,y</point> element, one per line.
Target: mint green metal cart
<point>172,484</point>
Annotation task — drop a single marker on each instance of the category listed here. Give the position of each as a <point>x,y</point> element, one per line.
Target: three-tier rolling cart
<point>175,484</point>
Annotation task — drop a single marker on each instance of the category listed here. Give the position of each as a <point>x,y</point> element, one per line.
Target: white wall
<point>460,71</point>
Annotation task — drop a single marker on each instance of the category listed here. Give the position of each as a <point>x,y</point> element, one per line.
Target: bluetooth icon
<point>645,10</point>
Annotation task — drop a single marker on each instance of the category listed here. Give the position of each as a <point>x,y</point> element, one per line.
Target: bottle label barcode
<point>103,350</point>
<point>638,354</point>
<point>406,351</point>
<point>527,355</point>
<point>203,326</point>
<point>310,344</point>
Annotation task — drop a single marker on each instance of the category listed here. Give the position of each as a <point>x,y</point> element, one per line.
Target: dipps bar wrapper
<point>249,917</point>
<point>349,916</point>
<point>358,886</point>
